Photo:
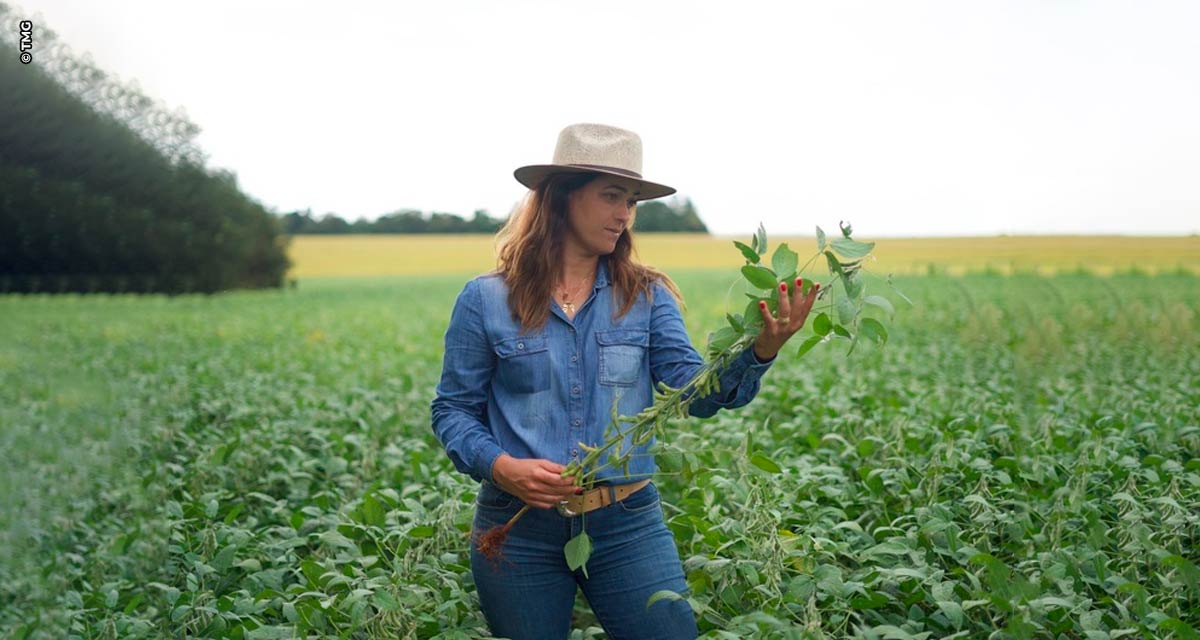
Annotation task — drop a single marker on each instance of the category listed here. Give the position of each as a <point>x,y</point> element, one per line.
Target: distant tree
<point>659,215</point>
<point>103,189</point>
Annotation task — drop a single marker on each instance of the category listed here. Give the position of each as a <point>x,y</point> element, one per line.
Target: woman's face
<point>599,212</point>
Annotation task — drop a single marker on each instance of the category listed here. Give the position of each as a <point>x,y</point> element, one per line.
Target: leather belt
<point>598,498</point>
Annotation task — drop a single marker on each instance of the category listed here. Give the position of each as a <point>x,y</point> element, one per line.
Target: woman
<point>536,353</point>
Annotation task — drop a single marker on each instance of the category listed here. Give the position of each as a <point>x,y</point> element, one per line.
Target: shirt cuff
<point>485,457</point>
<point>754,357</point>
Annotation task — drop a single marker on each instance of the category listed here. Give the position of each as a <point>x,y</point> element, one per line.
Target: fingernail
<point>783,286</point>
<point>579,491</point>
<point>762,305</point>
<point>799,282</point>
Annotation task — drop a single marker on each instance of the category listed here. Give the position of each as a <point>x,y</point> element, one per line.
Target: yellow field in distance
<point>378,254</point>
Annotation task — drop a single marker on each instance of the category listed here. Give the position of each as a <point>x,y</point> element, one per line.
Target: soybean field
<point>1020,460</point>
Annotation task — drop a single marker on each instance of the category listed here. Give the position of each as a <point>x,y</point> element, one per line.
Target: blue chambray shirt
<point>538,395</point>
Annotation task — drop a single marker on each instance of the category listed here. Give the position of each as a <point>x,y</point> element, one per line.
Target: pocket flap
<point>639,337</point>
<point>520,345</point>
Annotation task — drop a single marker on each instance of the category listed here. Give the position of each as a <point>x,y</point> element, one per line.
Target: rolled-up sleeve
<point>675,361</point>
<point>460,406</point>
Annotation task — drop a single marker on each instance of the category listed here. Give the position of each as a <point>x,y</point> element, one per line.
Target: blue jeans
<point>530,594</point>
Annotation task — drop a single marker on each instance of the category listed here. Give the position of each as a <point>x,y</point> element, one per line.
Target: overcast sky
<point>906,118</point>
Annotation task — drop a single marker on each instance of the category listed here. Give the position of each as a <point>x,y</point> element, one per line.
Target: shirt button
<point>574,452</point>
<point>574,357</point>
<point>575,390</point>
<point>520,345</point>
<point>577,421</point>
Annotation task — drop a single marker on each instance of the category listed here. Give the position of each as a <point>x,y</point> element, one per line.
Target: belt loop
<point>612,493</point>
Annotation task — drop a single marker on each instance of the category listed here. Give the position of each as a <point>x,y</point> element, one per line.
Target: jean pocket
<point>622,355</point>
<point>523,363</point>
<point>642,500</point>
<point>492,497</point>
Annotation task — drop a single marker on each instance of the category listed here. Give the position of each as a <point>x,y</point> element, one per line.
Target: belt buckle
<point>563,510</point>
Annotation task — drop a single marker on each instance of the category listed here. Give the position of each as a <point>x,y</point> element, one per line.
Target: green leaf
<point>881,302</point>
<point>841,331</point>
<point>721,339</point>
<point>423,531</point>
<point>835,266</point>
<point>665,594</point>
<point>873,330</point>
<point>760,277</point>
<point>808,344</point>
<point>751,254</point>
<point>845,311</point>
<point>845,227</point>
<point>784,260</point>
<point>577,551</point>
<point>822,325</point>
<point>762,239</point>
<point>736,323</point>
<point>851,248</point>
<point>820,239</point>
<point>761,461</point>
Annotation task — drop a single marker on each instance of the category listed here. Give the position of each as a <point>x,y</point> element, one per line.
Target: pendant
<point>569,307</point>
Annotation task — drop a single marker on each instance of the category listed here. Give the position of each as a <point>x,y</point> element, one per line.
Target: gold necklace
<point>567,305</point>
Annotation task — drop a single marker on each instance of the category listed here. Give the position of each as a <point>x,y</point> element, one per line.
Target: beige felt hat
<point>599,148</point>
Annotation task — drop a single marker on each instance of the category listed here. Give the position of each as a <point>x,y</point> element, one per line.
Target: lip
<point>616,231</point>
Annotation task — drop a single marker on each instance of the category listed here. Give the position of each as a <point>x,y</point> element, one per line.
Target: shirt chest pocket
<point>622,355</point>
<point>523,363</point>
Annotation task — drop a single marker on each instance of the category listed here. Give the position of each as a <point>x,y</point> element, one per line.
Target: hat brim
<point>532,175</point>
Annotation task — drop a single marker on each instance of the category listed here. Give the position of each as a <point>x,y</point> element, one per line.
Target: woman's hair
<point>529,254</point>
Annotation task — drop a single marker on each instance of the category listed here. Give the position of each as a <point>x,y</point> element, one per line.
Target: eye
<point>632,202</point>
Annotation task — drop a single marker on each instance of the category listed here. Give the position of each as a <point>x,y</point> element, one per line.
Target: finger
<point>768,319</point>
<point>551,478</point>
<point>785,305</point>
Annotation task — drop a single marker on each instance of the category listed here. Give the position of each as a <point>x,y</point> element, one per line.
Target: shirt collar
<point>601,273</point>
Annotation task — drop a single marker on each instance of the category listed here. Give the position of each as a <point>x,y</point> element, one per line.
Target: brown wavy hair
<point>529,254</point>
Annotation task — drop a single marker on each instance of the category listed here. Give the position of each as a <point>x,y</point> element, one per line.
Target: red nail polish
<point>579,491</point>
<point>799,282</point>
<point>783,286</point>
<point>762,305</point>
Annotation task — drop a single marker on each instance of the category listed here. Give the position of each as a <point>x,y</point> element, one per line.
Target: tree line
<point>104,189</point>
<point>652,215</point>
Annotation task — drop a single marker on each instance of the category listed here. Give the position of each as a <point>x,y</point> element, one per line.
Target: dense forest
<point>652,215</point>
<point>103,188</point>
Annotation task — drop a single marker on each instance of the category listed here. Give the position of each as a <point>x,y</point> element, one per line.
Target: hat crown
<point>599,145</point>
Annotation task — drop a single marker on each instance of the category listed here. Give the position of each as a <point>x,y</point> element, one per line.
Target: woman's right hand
<point>536,481</point>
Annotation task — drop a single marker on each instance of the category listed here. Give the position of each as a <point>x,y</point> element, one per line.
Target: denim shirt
<point>539,394</point>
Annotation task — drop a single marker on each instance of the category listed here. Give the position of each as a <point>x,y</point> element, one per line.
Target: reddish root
<point>490,543</point>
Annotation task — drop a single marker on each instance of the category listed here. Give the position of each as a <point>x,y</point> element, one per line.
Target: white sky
<point>906,118</point>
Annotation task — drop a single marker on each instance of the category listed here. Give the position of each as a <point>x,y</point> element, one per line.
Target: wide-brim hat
<point>596,148</point>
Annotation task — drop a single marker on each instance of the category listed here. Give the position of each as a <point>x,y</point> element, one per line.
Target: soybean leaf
<point>761,277</point>
<point>761,461</point>
<point>751,254</point>
<point>784,260</point>
<point>873,329</point>
<point>851,248</point>
<point>736,323</point>
<point>665,594</point>
<point>822,325</point>
<point>845,227</point>
<point>820,239</point>
<point>721,339</point>
<point>762,239</point>
<point>577,551</point>
<point>841,331</point>
<point>881,302</point>
<point>835,266</point>
<point>808,345</point>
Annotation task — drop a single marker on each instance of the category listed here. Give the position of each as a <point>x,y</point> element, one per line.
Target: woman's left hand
<point>793,311</point>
